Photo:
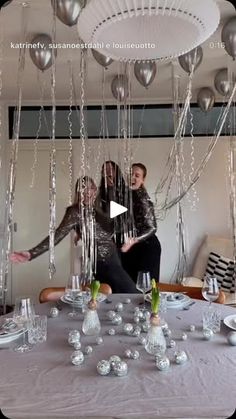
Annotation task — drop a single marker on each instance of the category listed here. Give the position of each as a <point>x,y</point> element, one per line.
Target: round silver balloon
<point>228,37</point>
<point>145,72</point>
<point>41,55</point>
<point>102,59</point>
<point>222,83</point>
<point>191,58</point>
<point>68,11</point>
<point>206,99</point>
<point>119,87</point>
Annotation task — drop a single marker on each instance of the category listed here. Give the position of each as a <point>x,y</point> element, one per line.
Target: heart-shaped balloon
<point>102,59</point>
<point>41,55</point>
<point>206,99</point>
<point>145,72</point>
<point>222,83</point>
<point>228,37</point>
<point>191,59</point>
<point>68,11</point>
<point>119,87</point>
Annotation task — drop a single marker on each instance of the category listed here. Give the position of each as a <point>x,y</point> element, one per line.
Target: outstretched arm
<point>70,219</point>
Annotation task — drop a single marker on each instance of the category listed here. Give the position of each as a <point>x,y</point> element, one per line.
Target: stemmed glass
<point>144,284</point>
<point>23,315</point>
<point>210,289</point>
<point>73,288</point>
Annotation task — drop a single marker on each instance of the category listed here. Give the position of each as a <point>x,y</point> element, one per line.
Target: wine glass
<point>73,288</point>
<point>210,289</point>
<point>144,284</point>
<point>23,315</point>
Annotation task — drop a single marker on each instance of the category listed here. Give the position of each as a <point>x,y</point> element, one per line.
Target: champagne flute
<point>210,289</point>
<point>144,284</point>
<point>23,315</point>
<point>73,288</point>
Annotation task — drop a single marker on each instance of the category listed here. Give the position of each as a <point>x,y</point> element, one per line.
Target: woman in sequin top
<point>143,252</point>
<point>109,268</point>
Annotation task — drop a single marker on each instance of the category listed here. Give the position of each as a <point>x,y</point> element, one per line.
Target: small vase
<point>155,340</point>
<point>91,325</point>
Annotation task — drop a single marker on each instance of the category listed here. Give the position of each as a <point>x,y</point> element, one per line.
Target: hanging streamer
<point>36,141</point>
<point>181,266</point>
<point>195,199</point>
<point>102,134</point>
<point>10,193</point>
<point>163,207</point>
<point>52,171</point>
<point>219,126</point>
<point>232,173</point>
<point>88,224</point>
<point>70,152</point>
<point>1,62</point>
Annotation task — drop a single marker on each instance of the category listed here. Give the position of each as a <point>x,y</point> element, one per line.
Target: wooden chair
<point>54,293</point>
<point>193,292</point>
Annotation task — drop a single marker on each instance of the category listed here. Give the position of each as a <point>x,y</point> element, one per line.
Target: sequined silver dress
<point>72,220</point>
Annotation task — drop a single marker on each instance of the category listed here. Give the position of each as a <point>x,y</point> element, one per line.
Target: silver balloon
<point>191,58</point>
<point>222,83</point>
<point>145,72</point>
<point>41,55</point>
<point>228,36</point>
<point>206,99</point>
<point>119,87</point>
<point>68,11</point>
<point>102,59</point>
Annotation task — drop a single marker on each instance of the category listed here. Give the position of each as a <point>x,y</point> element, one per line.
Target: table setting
<point>121,368</point>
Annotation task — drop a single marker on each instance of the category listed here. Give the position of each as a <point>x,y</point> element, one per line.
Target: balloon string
<point>202,165</point>
<point>36,141</point>
<point>52,173</point>
<point>70,152</point>
<point>102,133</point>
<point>10,194</point>
<point>1,85</point>
<point>195,198</point>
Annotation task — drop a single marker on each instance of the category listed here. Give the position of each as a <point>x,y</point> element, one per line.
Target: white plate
<point>7,339</point>
<point>230,321</point>
<point>179,299</point>
<point>68,299</point>
<point>9,331</point>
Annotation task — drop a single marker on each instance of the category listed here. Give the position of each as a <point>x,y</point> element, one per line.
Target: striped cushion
<point>223,269</point>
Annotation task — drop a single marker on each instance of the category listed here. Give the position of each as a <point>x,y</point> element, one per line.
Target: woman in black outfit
<point>109,268</point>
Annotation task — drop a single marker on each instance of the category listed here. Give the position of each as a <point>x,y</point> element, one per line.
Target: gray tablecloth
<point>44,384</point>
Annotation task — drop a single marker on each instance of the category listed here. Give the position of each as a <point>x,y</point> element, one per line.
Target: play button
<point>116,209</point>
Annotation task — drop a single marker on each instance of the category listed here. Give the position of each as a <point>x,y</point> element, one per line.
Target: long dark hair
<point>119,189</point>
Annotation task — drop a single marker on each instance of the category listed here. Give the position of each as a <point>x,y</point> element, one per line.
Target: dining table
<point>43,383</point>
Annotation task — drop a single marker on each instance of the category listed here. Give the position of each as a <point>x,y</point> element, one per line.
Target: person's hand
<point>19,257</point>
<point>127,246</point>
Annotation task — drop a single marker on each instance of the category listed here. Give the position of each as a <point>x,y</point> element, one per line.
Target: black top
<point>143,214</point>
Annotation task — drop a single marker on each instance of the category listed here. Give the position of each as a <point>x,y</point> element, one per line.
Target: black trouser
<point>143,256</point>
<point>112,272</point>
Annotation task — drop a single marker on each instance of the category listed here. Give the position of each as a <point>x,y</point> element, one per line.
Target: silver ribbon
<point>52,170</point>
<point>11,181</point>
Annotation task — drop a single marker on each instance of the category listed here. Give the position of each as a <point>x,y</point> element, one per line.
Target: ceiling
<point>39,20</point>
